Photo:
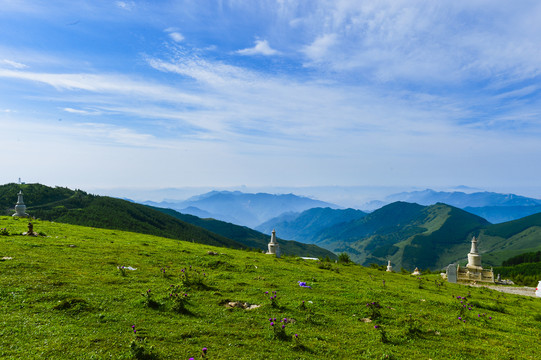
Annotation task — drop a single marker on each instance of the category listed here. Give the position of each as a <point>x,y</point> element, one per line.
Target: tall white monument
<point>389,266</point>
<point>274,247</point>
<point>20,207</point>
<point>473,272</point>
<point>474,259</point>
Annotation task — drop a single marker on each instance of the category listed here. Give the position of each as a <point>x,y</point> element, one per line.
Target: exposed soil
<point>524,290</point>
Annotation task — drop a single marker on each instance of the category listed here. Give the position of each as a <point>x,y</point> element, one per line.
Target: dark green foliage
<point>344,258</point>
<point>373,310</point>
<point>74,305</point>
<point>380,267</point>
<point>141,351</point>
<point>531,257</point>
<point>527,274</point>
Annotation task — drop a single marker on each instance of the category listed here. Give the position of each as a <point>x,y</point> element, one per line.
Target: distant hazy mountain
<point>462,200</point>
<point>241,208</point>
<point>303,226</point>
<point>494,207</point>
<point>499,214</point>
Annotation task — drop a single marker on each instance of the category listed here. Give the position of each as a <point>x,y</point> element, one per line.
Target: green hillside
<point>505,240</point>
<point>410,235</point>
<point>249,237</point>
<point>79,208</point>
<point>62,296</point>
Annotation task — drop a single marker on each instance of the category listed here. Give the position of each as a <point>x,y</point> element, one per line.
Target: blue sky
<point>151,94</point>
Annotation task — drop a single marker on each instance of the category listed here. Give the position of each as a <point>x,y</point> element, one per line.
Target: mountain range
<point>240,208</point>
<point>80,208</point>
<point>409,234</point>
<point>412,235</point>
<point>494,207</point>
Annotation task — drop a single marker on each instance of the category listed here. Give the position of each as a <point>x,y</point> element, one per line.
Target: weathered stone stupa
<point>274,247</point>
<point>474,259</point>
<point>473,272</point>
<point>20,207</point>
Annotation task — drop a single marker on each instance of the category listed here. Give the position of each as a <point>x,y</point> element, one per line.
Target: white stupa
<point>20,207</point>
<point>274,247</point>
<point>389,266</point>
<point>474,259</point>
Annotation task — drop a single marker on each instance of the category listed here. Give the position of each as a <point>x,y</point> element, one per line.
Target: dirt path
<point>525,290</point>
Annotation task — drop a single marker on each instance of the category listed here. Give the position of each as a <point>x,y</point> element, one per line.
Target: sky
<point>270,94</point>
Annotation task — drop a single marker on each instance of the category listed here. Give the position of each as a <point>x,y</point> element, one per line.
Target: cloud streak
<point>261,47</point>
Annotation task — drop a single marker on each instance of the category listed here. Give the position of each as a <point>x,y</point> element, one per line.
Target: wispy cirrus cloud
<point>81,112</point>
<point>13,64</point>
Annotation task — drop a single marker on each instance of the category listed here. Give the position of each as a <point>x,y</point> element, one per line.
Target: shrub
<point>344,258</point>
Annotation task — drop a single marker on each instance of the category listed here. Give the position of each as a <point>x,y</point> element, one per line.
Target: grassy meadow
<point>63,296</point>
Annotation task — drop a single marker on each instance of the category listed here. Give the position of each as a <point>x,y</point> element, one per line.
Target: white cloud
<point>80,112</point>
<point>13,64</point>
<point>105,84</point>
<point>261,47</point>
<point>319,49</point>
<point>125,5</point>
<point>176,36</point>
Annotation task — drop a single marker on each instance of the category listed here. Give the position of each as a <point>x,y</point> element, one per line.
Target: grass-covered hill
<point>505,240</point>
<point>428,237</point>
<point>79,208</point>
<point>63,296</point>
<point>249,237</point>
<point>410,235</point>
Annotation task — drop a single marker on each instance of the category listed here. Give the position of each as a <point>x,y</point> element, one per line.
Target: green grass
<point>62,297</point>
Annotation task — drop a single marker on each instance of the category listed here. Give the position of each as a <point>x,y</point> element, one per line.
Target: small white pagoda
<point>389,266</point>
<point>20,207</point>
<point>274,247</point>
<point>474,270</point>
